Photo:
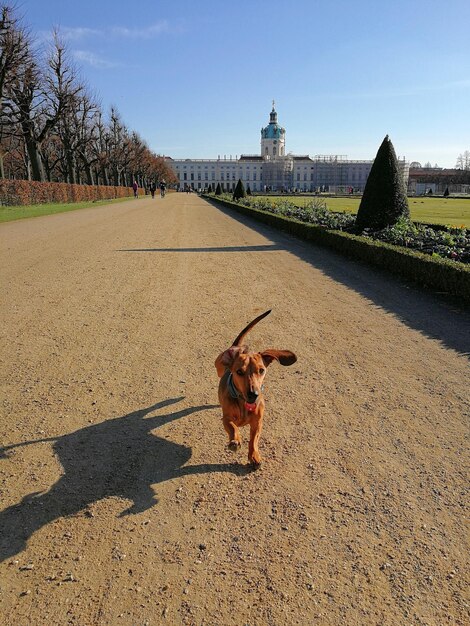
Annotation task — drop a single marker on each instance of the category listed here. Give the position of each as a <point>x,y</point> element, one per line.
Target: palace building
<point>275,170</point>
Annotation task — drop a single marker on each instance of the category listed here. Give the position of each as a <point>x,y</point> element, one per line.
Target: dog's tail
<point>241,336</point>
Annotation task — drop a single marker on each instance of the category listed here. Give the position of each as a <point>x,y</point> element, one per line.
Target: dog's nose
<point>252,396</point>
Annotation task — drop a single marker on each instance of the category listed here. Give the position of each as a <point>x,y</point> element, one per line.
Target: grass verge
<point>444,211</point>
<point>11,213</point>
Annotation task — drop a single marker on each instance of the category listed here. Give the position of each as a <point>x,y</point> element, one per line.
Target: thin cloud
<point>92,59</point>
<point>148,32</point>
<point>112,32</point>
<point>78,33</point>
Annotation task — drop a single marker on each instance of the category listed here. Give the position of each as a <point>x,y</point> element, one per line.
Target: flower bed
<point>446,242</point>
<point>443,241</point>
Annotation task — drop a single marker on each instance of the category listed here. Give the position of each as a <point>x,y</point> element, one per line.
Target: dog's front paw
<point>255,460</point>
<point>234,445</point>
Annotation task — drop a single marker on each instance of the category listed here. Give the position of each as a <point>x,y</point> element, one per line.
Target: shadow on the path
<point>118,457</point>
<point>265,248</point>
<point>433,314</point>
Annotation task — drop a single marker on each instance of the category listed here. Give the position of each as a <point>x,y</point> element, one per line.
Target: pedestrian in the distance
<point>135,187</point>
<point>153,188</point>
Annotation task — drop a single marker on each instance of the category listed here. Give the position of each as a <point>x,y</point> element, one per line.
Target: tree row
<point>52,127</point>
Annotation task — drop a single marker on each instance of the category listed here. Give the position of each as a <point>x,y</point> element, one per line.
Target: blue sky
<point>195,78</point>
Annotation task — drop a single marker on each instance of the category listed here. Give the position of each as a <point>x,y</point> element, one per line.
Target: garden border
<point>28,192</point>
<point>442,275</point>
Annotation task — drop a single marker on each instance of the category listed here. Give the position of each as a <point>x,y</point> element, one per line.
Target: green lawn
<point>10,213</point>
<point>450,212</point>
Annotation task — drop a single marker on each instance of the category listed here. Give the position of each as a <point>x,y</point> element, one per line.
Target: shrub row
<point>435,273</point>
<point>448,242</point>
<point>26,192</point>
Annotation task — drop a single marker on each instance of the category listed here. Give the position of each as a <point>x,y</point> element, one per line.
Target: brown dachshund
<point>241,375</point>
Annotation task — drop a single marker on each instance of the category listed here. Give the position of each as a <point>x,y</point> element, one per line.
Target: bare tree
<point>62,91</point>
<point>138,151</point>
<point>53,158</point>
<point>52,128</point>
<point>41,98</point>
<point>463,161</point>
<point>29,112</point>
<point>119,153</point>
<point>86,119</point>
<point>14,50</point>
<point>101,149</point>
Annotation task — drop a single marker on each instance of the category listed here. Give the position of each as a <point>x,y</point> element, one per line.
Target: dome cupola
<point>273,137</point>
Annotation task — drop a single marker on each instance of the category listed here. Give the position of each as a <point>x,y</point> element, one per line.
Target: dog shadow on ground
<point>118,457</point>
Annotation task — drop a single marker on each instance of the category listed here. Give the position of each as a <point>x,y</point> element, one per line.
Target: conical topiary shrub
<point>209,189</point>
<point>384,199</point>
<point>239,191</point>
<point>446,192</point>
<point>218,190</point>
<point>248,191</point>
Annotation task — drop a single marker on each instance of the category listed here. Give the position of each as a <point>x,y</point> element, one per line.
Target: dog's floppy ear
<point>229,356</point>
<point>285,357</point>
<point>225,359</point>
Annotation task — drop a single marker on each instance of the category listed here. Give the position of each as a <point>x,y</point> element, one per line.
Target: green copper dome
<point>272,130</point>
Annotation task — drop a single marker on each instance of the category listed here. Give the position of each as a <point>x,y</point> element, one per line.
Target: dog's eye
<point>240,372</point>
<point>261,371</point>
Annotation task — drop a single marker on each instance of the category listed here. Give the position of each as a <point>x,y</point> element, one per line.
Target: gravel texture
<point>119,501</point>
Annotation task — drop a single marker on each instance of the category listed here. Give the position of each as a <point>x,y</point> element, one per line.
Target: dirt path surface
<point>120,503</point>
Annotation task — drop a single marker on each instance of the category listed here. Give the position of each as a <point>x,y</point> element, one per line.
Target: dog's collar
<point>233,391</point>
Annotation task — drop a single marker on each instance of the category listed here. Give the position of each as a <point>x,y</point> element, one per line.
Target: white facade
<point>199,174</point>
<point>274,170</point>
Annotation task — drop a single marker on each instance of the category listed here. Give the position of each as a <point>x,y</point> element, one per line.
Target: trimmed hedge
<point>438,274</point>
<point>384,199</point>
<point>27,192</point>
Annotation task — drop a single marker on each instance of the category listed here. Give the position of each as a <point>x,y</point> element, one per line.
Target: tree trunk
<point>37,170</point>
<point>89,174</point>
<point>105,176</point>
<point>47,171</point>
<point>70,166</point>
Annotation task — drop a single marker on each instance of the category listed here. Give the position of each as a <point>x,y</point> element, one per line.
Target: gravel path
<point>120,503</point>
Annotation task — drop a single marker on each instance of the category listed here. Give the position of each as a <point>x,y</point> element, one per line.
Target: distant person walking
<point>135,187</point>
<point>153,188</point>
<point>162,188</point>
